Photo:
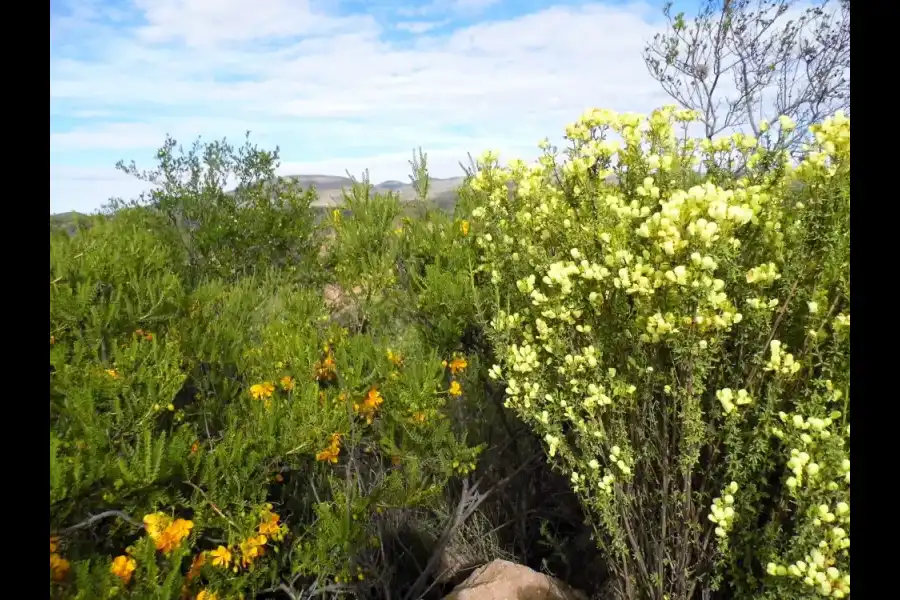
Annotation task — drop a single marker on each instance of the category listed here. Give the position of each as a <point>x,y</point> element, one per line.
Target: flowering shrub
<point>214,432</point>
<point>243,403</point>
<point>672,318</point>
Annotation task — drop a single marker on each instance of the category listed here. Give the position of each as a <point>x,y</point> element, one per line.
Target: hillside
<point>329,187</point>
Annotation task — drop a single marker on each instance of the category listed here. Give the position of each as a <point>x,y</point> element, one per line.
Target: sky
<point>337,84</point>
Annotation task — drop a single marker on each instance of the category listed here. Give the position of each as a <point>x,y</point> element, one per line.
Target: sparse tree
<point>739,62</point>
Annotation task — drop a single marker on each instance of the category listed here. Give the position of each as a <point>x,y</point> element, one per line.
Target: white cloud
<point>86,189</point>
<point>336,90</point>
<point>420,26</point>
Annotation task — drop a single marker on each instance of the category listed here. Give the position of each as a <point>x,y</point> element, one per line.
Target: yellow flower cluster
<point>616,458</point>
<point>763,274</point>
<point>269,525</point>
<point>59,566</point>
<point>261,391</point>
<point>814,431</point>
<point>722,510</point>
<point>253,547</point>
<point>166,533</point>
<point>781,362</point>
<point>816,571</point>
<point>730,399</point>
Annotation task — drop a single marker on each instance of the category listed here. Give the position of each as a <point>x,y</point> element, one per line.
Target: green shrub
<point>246,403</point>
<point>213,431</point>
<point>683,347</point>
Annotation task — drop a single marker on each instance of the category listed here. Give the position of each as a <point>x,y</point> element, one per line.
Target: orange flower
<point>326,368</point>
<point>166,534</point>
<point>149,337</point>
<point>123,567</point>
<point>332,451</point>
<point>195,447</point>
<point>464,227</point>
<point>455,389</point>
<point>59,567</point>
<point>458,365</point>
<point>270,527</point>
<point>287,383</point>
<point>196,565</point>
<point>252,548</point>
<point>373,400</point>
<point>262,390</point>
<point>221,557</point>
<point>54,543</point>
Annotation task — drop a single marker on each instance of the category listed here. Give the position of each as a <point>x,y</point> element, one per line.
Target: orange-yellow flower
<point>287,383</point>
<point>455,389</point>
<point>326,368</point>
<point>195,447</point>
<point>166,534</point>
<point>112,373</point>
<point>52,339</point>
<point>59,567</point>
<point>458,365</point>
<point>262,390</point>
<point>156,523</point>
<point>252,548</point>
<point>464,227</point>
<point>419,417</point>
<point>54,543</point>
<point>196,565</point>
<point>206,595</point>
<point>123,567</point>
<point>373,400</point>
<point>270,526</point>
<point>332,451</point>
<point>221,557</point>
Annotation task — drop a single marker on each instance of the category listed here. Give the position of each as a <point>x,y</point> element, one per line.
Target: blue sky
<point>337,84</point>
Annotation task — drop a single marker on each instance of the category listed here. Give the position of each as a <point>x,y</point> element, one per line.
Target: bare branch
<point>99,517</point>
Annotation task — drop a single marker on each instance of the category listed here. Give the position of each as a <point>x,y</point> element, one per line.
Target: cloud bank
<point>337,85</point>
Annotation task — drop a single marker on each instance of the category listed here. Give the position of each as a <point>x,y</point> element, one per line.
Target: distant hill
<point>329,187</point>
<point>67,221</point>
<point>442,192</point>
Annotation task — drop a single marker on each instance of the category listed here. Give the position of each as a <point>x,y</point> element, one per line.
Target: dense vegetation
<point>639,383</point>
